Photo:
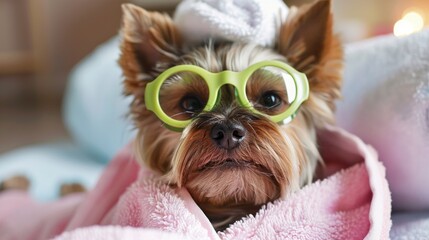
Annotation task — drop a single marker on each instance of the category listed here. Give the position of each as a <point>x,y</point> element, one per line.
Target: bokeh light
<point>410,22</point>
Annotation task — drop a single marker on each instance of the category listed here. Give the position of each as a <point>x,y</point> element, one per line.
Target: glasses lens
<point>271,90</point>
<point>183,95</point>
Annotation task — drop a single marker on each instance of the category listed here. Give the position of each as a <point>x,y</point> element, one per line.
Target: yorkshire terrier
<point>221,119</point>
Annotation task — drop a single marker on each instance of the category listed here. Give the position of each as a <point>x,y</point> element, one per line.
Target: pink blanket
<point>351,201</point>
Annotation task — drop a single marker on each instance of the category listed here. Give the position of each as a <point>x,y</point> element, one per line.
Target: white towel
<point>256,21</point>
<point>386,103</point>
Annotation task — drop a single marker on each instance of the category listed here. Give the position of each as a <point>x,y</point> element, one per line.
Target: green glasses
<point>271,88</point>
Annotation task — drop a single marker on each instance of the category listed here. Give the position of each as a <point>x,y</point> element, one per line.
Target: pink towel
<point>118,233</point>
<point>351,201</point>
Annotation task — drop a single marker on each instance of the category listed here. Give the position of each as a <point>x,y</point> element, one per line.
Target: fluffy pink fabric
<point>351,201</point>
<point>117,233</point>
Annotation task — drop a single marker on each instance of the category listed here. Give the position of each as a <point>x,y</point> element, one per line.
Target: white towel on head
<point>256,21</point>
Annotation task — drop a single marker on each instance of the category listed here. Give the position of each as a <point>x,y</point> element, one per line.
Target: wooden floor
<point>23,124</point>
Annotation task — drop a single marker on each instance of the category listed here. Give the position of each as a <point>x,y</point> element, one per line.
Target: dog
<point>231,156</point>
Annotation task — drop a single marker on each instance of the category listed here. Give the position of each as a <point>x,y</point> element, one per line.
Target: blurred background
<point>41,41</point>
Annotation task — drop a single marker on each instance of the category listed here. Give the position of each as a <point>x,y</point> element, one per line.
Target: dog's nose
<point>228,135</point>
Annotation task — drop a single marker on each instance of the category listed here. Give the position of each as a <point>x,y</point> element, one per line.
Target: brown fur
<point>17,182</point>
<point>70,188</point>
<point>22,183</point>
<point>274,159</point>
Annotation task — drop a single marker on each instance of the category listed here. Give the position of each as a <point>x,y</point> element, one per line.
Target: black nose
<point>228,135</point>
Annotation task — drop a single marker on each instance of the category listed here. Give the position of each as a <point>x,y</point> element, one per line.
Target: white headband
<point>256,21</point>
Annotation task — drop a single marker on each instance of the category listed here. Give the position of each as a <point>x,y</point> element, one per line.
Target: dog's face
<point>231,159</point>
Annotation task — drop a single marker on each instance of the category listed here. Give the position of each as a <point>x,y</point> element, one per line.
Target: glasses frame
<point>215,81</point>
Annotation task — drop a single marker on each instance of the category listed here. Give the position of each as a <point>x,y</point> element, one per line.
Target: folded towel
<point>386,103</point>
<point>410,225</point>
<point>350,201</point>
<point>240,20</point>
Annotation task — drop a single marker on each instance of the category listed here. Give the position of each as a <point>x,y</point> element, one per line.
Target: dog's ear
<point>306,36</point>
<point>307,40</point>
<point>149,40</point>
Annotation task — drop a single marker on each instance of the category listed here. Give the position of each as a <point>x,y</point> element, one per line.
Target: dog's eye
<point>270,100</point>
<point>191,104</point>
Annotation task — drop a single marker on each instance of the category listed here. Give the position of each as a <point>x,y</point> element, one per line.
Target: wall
<point>73,29</point>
